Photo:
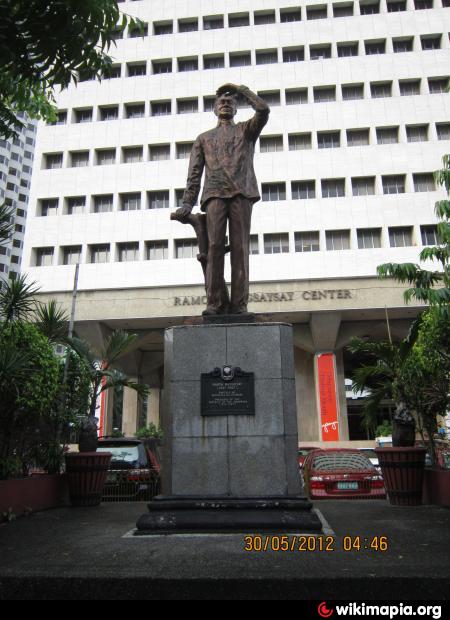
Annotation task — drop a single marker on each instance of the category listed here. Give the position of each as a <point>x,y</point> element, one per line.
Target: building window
<point>44,257</point>
<point>209,103</point>
<point>337,240</point>
<point>290,15</point>
<point>393,184</point>
<point>270,144</point>
<point>137,32</point>
<point>347,49</point>
<point>49,206</point>
<point>136,69</point>
<point>53,161</point>
<point>424,182</point>
<point>333,188</point>
<point>213,22</point>
<point>438,86</point>
<point>431,42</point>
<point>443,131</point>
<point>369,238</point>
<point>188,25</point>
<point>237,20</point>
<point>100,253</point>
<point>375,47</point>
<point>293,54</point>
<point>134,110</point>
<point>296,96</point>
<point>369,7</point>
<point>216,61</point>
<point>387,135</point>
<point>400,236</point>
<point>273,192</point>
<point>403,45</point>
<point>128,252</point>
<point>420,5</point>
<point>83,116</point>
<point>71,255</point>
<point>264,17</point>
<point>323,94</point>
<point>61,118</point>
<point>303,190</point>
<point>300,141</point>
<point>132,154</point>
<point>276,243</point>
<point>352,91</point>
<point>381,89</point>
<point>307,241</point>
<point>363,186</point>
<point>187,106</point>
<point>240,59</point>
<point>103,203</point>
<point>266,57</point>
<point>417,133</point>
<point>319,52</point>
<point>271,97</point>
<point>160,28</point>
<point>343,10</point>
<point>396,6</point>
<point>254,245</point>
<point>158,200</point>
<point>157,250</point>
<point>79,159</point>
<point>179,195</point>
<point>316,12</point>
<point>108,113</point>
<point>329,139</point>
<point>162,66</point>
<point>130,202</point>
<point>161,108</point>
<point>184,149</point>
<point>430,235</point>
<point>76,205</point>
<point>409,87</point>
<point>105,157</point>
<point>188,64</point>
<point>114,72</point>
<point>186,248</point>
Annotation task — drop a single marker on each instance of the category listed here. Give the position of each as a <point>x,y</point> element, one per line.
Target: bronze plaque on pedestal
<point>227,391</point>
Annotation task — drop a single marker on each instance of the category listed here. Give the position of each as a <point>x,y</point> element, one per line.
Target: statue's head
<point>225,105</point>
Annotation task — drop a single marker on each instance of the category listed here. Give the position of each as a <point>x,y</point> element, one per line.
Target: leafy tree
<point>431,287</point>
<point>44,45</point>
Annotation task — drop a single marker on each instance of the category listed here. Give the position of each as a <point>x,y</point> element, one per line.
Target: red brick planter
<point>436,487</point>
<point>38,492</point>
<point>86,476</point>
<point>403,474</point>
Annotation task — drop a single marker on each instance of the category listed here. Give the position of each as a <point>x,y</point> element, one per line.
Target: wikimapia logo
<point>391,611</point>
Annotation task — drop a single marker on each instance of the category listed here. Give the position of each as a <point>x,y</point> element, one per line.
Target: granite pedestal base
<point>230,470</point>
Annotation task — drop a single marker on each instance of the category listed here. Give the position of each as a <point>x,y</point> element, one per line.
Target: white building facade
<point>360,119</point>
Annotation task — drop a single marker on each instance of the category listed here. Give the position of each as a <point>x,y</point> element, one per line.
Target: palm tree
<point>17,299</point>
<point>104,376</point>
<point>6,223</point>
<point>52,321</point>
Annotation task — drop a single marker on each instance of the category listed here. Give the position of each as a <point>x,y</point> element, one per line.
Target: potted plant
<point>87,469</point>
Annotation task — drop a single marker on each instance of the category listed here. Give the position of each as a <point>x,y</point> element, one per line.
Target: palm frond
<point>17,299</point>
<point>52,321</point>
<point>116,345</point>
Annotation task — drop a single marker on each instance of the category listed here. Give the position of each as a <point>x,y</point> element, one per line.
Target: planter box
<point>402,469</point>
<point>436,487</point>
<point>39,492</point>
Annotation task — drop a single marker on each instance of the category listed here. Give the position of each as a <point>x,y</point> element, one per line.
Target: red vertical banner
<point>102,420</point>
<point>327,396</point>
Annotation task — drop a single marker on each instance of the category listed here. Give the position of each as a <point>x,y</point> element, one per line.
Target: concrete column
<point>307,413</point>
<point>154,398</point>
<point>107,413</point>
<point>130,411</point>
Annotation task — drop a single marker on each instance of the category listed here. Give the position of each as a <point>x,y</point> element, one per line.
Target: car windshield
<point>124,453</point>
<point>341,460</point>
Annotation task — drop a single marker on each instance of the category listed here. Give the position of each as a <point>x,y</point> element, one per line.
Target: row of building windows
<point>275,143</point>
<point>278,243</point>
<point>297,53</point>
<point>292,96</point>
<point>270,192</point>
<point>285,15</point>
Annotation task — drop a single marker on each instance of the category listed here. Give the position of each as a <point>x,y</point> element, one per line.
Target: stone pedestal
<point>230,463</point>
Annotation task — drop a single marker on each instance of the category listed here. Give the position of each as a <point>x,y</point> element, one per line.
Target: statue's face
<point>225,106</point>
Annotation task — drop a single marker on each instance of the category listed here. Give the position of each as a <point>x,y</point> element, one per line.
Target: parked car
<point>134,470</point>
<point>372,456</point>
<point>303,452</point>
<point>341,474</point>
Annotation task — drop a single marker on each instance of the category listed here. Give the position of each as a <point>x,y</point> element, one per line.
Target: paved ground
<point>74,553</point>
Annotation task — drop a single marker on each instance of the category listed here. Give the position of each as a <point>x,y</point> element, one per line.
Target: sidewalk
<point>74,553</point>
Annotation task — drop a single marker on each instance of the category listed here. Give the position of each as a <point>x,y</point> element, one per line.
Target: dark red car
<point>303,452</point>
<point>341,474</point>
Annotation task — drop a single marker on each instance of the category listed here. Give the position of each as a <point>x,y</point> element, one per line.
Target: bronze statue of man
<point>229,192</point>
